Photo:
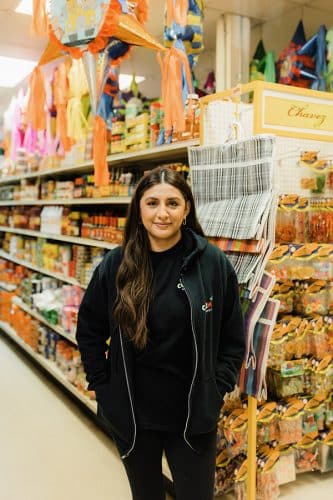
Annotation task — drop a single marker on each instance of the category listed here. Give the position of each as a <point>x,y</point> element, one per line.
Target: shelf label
<point>285,113</point>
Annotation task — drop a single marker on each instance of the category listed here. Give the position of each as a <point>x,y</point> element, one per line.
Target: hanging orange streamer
<point>36,114</point>
<point>142,11</point>
<point>171,69</point>
<point>61,96</point>
<point>39,17</point>
<point>177,11</point>
<point>101,171</point>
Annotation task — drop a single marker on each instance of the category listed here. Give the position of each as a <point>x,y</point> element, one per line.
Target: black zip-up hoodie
<point>218,342</point>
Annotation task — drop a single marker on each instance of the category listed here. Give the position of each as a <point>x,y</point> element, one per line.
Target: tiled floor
<point>50,450</point>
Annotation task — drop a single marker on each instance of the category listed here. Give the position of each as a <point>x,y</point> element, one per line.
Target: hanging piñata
<point>292,67</point>
<point>101,32</point>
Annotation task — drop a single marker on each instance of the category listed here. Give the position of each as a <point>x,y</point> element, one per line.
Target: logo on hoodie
<point>180,285</point>
<point>208,305</point>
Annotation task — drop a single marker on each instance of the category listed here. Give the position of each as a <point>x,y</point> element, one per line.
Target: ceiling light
<point>125,80</point>
<point>24,7</point>
<point>13,70</point>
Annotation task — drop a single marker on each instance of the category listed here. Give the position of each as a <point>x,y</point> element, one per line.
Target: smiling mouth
<point>162,224</point>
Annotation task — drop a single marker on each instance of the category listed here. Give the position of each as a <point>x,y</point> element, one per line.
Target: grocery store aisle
<point>49,449</point>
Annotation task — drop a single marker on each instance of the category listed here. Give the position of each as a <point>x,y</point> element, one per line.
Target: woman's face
<point>163,209</point>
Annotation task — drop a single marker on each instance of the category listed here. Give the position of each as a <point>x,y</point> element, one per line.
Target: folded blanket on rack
<point>233,170</point>
<point>238,218</point>
<point>232,187</point>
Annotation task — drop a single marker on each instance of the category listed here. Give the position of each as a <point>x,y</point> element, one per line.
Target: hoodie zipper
<point>130,397</point>
<point>195,368</point>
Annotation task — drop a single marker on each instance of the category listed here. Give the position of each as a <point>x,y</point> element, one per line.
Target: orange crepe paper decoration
<point>171,69</point>
<point>35,114</point>
<point>39,17</point>
<point>177,11</point>
<point>101,171</point>
<point>61,96</point>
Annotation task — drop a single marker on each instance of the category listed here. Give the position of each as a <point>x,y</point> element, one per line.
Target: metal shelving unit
<point>59,237</point>
<point>167,152</point>
<point>19,302</point>
<point>111,200</point>
<point>41,270</point>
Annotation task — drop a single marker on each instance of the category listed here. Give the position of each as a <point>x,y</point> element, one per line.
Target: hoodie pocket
<point>206,404</point>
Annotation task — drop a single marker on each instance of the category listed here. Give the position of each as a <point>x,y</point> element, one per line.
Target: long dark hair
<point>135,276</point>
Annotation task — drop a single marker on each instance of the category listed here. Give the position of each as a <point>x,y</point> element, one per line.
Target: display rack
<point>275,109</point>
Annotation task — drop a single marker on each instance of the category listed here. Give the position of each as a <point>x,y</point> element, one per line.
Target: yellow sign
<point>298,114</point>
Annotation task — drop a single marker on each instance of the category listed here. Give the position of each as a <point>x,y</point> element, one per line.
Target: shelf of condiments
<point>133,129</point>
<point>44,341</point>
<point>136,131</point>
<point>58,304</point>
<point>122,183</point>
<point>72,261</point>
<point>59,220</point>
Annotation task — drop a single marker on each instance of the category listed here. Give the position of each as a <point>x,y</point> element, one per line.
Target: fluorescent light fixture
<point>24,7</point>
<point>13,70</point>
<point>125,80</point>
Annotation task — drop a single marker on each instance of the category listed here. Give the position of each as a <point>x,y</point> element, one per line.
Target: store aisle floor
<point>50,450</point>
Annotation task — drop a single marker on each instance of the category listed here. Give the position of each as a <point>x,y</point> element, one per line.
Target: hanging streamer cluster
<point>102,32</point>
<point>184,30</point>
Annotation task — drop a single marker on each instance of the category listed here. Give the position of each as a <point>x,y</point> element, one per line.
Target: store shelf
<point>168,152</point>
<point>59,237</point>
<point>19,302</point>
<point>41,270</point>
<point>49,366</point>
<point>111,200</point>
<point>7,286</point>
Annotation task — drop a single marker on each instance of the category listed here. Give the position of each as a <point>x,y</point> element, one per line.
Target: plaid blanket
<point>232,186</point>
<point>239,218</point>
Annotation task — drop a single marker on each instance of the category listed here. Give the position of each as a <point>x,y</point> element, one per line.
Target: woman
<point>169,301</point>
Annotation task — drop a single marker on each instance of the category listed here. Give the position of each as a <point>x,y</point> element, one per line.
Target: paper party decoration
<point>184,30</point>
<point>262,66</point>
<point>316,48</point>
<point>329,77</point>
<point>292,67</point>
<point>102,32</point>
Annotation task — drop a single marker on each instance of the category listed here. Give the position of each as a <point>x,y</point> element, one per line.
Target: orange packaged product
<point>290,422</point>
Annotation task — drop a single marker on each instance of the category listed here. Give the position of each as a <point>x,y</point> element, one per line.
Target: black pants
<point>193,473</point>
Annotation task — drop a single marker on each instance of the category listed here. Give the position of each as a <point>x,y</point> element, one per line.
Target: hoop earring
<point>184,222</point>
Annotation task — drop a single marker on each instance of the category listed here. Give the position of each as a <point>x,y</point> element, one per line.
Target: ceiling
<point>274,20</point>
